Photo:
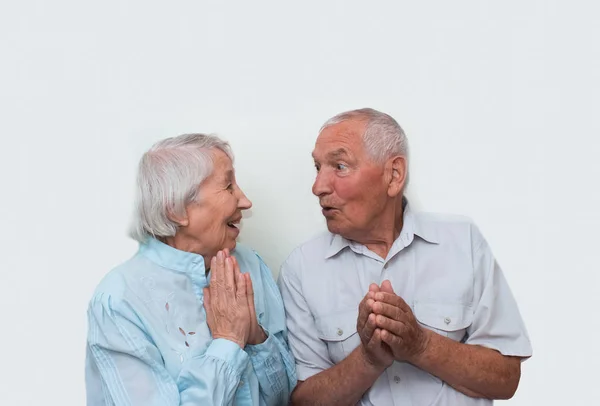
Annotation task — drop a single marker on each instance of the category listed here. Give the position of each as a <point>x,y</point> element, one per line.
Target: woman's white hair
<point>168,179</point>
<point>383,138</point>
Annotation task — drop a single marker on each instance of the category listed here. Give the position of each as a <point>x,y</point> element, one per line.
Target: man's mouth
<point>328,209</point>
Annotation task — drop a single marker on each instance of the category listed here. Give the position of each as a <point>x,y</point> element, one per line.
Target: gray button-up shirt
<point>441,266</point>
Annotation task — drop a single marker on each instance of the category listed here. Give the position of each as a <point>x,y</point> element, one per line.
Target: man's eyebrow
<point>338,153</point>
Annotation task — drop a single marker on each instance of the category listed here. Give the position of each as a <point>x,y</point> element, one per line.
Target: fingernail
<point>220,255</point>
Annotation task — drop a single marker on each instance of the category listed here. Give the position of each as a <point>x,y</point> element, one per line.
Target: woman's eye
<point>230,186</point>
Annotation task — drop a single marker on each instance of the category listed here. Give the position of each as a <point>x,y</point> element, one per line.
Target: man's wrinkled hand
<point>373,349</point>
<point>400,329</point>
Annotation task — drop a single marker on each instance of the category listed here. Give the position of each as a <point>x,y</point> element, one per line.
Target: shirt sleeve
<point>272,360</point>
<point>497,323</point>
<point>126,368</point>
<point>311,353</point>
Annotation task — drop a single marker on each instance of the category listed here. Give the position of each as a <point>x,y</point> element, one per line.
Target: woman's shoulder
<point>118,281</point>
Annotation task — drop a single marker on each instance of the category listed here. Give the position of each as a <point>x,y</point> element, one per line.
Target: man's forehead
<point>339,140</point>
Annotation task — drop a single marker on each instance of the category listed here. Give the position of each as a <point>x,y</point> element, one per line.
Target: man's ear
<point>181,221</point>
<point>398,168</point>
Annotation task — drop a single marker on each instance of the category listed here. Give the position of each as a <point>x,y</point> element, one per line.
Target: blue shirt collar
<point>171,258</point>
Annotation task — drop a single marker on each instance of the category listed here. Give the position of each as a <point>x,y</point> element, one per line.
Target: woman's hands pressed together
<point>229,303</point>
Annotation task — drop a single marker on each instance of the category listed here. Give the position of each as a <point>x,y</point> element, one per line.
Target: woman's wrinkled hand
<point>226,301</point>
<point>257,334</point>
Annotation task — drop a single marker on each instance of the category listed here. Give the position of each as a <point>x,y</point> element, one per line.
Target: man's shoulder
<point>448,227</point>
<point>443,219</point>
<point>313,249</point>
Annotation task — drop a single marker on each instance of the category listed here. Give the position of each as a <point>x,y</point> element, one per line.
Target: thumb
<point>206,297</point>
<point>386,286</point>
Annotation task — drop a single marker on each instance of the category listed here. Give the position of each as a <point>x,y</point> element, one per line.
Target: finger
<point>389,310</point>
<point>373,288</point>
<point>226,253</point>
<point>230,282</point>
<point>250,295</point>
<point>215,276</point>
<point>392,299</point>
<point>218,272</point>
<point>363,312</point>
<point>213,269</point>
<point>393,326</point>
<point>240,293</point>
<point>249,287</point>
<point>375,341</point>
<point>206,299</point>
<point>369,327</point>
<point>391,339</point>
<point>236,266</point>
<point>386,286</point>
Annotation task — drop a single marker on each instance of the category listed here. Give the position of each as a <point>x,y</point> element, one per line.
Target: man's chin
<point>333,226</point>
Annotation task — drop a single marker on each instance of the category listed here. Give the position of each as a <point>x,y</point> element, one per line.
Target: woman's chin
<point>230,245</point>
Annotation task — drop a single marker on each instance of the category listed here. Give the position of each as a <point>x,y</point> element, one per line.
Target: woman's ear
<point>397,166</point>
<point>181,221</point>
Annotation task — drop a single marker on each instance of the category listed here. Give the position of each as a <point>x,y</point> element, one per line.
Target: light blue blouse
<point>149,344</point>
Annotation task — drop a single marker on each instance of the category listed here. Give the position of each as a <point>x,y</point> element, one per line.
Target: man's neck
<point>383,234</point>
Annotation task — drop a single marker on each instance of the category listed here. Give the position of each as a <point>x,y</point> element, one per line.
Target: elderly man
<point>393,307</point>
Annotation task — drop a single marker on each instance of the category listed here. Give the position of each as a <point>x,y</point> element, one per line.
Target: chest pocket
<point>338,331</point>
<point>447,319</point>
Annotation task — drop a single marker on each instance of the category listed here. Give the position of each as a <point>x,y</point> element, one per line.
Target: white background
<point>500,101</point>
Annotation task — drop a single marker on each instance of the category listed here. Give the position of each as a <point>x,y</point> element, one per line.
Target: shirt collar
<point>171,258</point>
<point>411,226</point>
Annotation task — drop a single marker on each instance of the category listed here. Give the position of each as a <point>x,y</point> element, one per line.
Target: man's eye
<point>317,167</point>
<point>341,167</point>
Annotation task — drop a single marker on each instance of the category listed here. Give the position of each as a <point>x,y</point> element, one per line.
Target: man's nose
<point>322,185</point>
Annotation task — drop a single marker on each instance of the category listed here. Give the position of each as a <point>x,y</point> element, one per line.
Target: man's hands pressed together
<point>388,328</point>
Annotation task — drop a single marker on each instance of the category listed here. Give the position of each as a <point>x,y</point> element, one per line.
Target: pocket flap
<point>444,316</point>
<point>337,326</point>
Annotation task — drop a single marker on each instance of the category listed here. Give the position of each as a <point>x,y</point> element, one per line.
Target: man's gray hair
<point>168,179</point>
<point>383,137</point>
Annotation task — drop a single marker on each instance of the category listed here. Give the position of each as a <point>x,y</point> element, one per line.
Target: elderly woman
<point>159,332</point>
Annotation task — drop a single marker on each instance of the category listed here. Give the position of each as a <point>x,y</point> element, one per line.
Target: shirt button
<point>340,331</point>
<point>397,379</point>
<point>447,320</point>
